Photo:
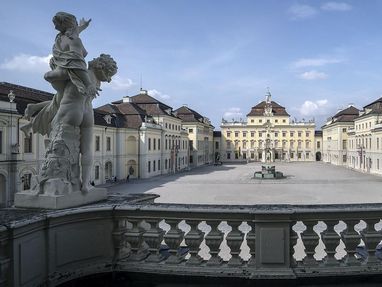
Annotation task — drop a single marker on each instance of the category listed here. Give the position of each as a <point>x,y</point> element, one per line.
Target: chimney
<point>126,99</point>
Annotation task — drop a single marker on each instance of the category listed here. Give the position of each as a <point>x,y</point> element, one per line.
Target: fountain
<point>268,172</point>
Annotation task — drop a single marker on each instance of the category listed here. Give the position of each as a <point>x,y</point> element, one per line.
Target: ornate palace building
<point>268,135</point>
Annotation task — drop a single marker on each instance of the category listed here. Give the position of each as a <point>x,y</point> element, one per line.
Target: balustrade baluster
<point>121,250</point>
<point>234,241</point>
<point>173,238</point>
<point>134,237</point>
<point>213,240</point>
<point>153,238</point>
<point>293,241</point>
<point>310,239</point>
<point>351,239</point>
<point>331,240</point>
<point>371,237</point>
<point>193,240</point>
<point>251,242</point>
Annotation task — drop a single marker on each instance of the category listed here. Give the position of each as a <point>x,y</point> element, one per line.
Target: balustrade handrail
<point>246,241</point>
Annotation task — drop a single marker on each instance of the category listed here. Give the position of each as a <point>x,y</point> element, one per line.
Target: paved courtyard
<point>305,183</point>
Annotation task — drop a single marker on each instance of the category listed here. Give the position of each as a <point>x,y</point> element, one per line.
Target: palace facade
<point>136,137</point>
<point>353,138</point>
<point>268,135</point>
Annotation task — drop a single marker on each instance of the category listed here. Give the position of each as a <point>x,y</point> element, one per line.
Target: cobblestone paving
<point>305,183</point>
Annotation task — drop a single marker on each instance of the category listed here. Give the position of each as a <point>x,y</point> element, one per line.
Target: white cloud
<point>309,108</point>
<point>120,84</point>
<point>27,63</point>
<point>157,94</point>
<point>336,6</point>
<point>313,75</point>
<point>233,113</point>
<point>315,62</point>
<point>300,11</point>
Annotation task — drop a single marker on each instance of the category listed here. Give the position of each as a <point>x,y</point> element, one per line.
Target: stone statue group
<point>67,119</point>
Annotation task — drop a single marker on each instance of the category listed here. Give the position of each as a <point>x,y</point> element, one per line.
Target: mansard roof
<point>258,110</point>
<point>24,95</point>
<point>349,111</point>
<point>373,108</point>
<point>344,116</point>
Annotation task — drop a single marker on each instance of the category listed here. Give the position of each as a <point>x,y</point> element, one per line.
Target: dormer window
<point>107,118</point>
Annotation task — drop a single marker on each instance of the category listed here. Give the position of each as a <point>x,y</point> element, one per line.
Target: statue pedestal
<point>48,201</point>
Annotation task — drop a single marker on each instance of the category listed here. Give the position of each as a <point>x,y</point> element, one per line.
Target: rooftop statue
<point>68,118</point>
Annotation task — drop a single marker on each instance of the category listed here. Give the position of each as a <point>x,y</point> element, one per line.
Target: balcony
<point>249,243</point>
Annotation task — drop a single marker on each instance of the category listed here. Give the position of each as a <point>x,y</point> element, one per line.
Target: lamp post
<point>361,149</point>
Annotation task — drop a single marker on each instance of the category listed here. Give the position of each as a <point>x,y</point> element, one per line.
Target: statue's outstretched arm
<point>83,25</point>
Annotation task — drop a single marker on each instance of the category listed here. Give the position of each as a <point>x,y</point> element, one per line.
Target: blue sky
<point>218,57</point>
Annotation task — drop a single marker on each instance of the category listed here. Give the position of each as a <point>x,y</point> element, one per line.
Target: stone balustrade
<point>249,242</point>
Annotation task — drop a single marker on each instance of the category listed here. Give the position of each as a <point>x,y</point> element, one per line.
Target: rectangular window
<point>299,155</point>
<point>191,159</point>
<point>236,134</point>
<point>228,144</point>
<point>307,134</point>
<point>28,144</point>
<point>191,144</point>
<point>307,155</point>
<point>344,130</point>
<point>149,144</point>
<point>284,134</point>
<point>158,164</point>
<point>165,144</point>
<point>244,156</point>
<point>260,121</point>
<point>190,131</point>
<point>291,155</point>
<point>344,145</point>
<point>291,134</point>
<point>252,144</point>
<point>149,166</point>
<point>299,134</point>
<point>158,144</point>
<point>260,134</point>
<point>154,145</point>
<point>228,134</point>
<point>27,181</point>
<point>216,145</point>
<point>378,163</point>
<point>307,145</point>
<point>244,134</point>
<point>299,144</point>
<point>344,158</point>
<point>228,155</point>
<point>377,143</point>
<point>252,155</point>
<point>165,163</point>
<point>276,121</point>
<point>1,141</point>
<point>154,163</point>
<point>318,144</point>
<point>108,143</point>
<point>244,145</point>
<point>97,143</point>
<point>96,172</point>
<point>252,134</point>
<point>284,121</point>
<point>276,134</point>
